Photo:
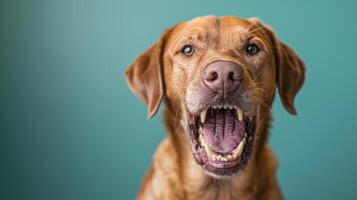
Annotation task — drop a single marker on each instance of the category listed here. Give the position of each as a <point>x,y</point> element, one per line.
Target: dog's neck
<point>197,184</point>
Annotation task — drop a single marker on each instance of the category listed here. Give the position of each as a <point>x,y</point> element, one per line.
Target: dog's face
<point>218,75</point>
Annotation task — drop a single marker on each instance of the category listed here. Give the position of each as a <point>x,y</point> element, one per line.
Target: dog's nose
<point>223,76</point>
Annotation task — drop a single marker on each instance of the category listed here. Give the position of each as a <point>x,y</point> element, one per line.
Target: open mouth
<point>222,139</point>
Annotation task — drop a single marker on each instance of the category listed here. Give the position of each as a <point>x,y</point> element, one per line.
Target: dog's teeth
<point>239,113</point>
<point>209,152</point>
<point>225,106</point>
<point>245,135</point>
<point>200,139</point>
<point>200,130</point>
<point>237,151</point>
<point>214,158</point>
<point>203,115</point>
<point>229,157</point>
<point>240,150</point>
<point>230,107</point>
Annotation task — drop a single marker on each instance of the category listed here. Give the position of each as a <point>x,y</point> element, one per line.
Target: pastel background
<point>71,129</point>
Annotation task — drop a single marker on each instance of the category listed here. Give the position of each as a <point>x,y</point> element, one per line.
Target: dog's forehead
<point>210,27</point>
<point>208,21</point>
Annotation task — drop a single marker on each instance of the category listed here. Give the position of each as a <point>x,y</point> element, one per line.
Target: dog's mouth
<point>222,139</point>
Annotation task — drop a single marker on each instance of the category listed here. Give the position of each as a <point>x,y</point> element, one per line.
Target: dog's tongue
<point>222,131</point>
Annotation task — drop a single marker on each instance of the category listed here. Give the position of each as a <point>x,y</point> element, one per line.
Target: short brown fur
<point>160,73</point>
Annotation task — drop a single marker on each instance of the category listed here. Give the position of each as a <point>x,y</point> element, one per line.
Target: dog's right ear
<point>290,69</point>
<point>145,75</point>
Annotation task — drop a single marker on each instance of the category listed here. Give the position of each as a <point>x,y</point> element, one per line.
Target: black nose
<point>223,76</point>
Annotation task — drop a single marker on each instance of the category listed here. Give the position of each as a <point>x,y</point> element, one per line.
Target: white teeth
<point>203,115</point>
<point>200,139</point>
<point>239,113</point>
<point>237,151</point>
<point>209,152</point>
<point>225,106</point>
<point>214,158</point>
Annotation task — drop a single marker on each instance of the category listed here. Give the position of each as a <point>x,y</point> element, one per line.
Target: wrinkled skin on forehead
<point>164,73</point>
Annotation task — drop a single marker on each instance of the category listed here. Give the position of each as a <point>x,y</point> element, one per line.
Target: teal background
<point>71,129</point>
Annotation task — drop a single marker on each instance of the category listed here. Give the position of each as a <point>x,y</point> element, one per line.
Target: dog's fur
<point>162,73</point>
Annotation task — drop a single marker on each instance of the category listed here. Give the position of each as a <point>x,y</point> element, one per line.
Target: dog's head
<point>218,75</point>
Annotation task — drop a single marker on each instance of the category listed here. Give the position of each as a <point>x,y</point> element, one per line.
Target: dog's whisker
<point>260,101</point>
<point>183,102</point>
<point>257,75</point>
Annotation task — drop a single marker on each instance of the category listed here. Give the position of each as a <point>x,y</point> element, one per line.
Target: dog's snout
<point>223,76</point>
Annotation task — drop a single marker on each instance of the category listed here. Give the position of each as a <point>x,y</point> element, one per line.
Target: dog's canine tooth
<point>200,139</point>
<point>208,150</point>
<point>203,115</point>
<point>239,113</point>
<point>210,153</point>
<point>237,151</point>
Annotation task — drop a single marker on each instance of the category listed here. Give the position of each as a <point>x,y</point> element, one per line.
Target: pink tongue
<point>222,131</point>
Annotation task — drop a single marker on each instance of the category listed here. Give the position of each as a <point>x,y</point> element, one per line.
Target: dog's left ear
<point>290,69</point>
<point>290,76</point>
<point>145,76</point>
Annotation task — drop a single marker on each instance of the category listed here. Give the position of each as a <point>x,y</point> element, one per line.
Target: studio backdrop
<point>71,129</point>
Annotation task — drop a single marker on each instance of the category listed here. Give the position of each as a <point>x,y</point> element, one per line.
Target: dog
<point>217,76</point>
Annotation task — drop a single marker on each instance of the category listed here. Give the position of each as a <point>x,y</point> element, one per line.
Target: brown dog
<point>218,77</point>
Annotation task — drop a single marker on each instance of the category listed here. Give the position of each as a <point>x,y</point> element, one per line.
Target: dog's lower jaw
<point>249,183</point>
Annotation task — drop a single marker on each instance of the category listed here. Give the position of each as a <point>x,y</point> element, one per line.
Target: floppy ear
<point>290,69</point>
<point>290,76</point>
<point>145,76</point>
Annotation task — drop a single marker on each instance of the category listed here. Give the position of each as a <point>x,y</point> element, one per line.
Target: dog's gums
<point>222,138</point>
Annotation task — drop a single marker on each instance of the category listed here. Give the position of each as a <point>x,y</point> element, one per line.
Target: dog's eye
<point>187,50</point>
<point>252,49</point>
